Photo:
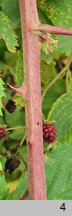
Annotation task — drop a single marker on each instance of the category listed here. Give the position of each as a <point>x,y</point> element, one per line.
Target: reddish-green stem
<point>52,29</point>
<point>20,90</point>
<point>31,51</point>
<point>25,196</point>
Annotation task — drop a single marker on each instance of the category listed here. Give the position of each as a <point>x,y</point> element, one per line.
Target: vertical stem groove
<point>31,51</point>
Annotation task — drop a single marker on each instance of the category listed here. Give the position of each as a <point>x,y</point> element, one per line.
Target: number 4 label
<point>63,207</point>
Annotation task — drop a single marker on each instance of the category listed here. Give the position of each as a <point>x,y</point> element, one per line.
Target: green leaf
<point>7,33</point>
<point>59,173</point>
<point>17,134</point>
<point>59,13</point>
<point>2,94</point>
<point>23,153</point>
<point>21,189</point>
<point>11,9</point>
<point>42,16</point>
<point>64,45</point>
<point>48,72</point>
<point>61,114</point>
<point>69,88</point>
<point>2,49</point>
<point>19,101</point>
<point>3,188</point>
<point>15,119</point>
<point>52,94</point>
<point>19,74</point>
<point>3,66</point>
<point>47,58</point>
<point>0,166</point>
<point>1,121</point>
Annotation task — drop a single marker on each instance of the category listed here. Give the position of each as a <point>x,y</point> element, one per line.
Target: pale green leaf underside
<point>7,33</point>
<point>61,114</point>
